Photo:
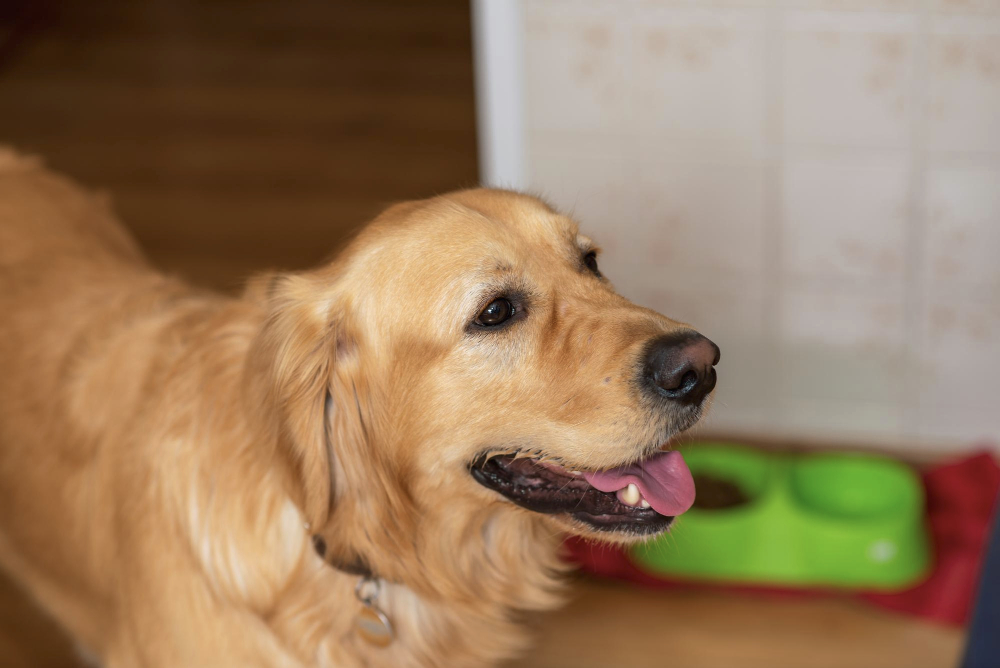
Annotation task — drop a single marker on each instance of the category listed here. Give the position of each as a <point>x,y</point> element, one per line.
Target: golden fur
<point>165,452</point>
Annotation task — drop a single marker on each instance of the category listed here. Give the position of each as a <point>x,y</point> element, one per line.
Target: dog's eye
<point>498,311</point>
<point>590,260</point>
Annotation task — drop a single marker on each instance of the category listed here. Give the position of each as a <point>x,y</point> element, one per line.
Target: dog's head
<point>464,357</point>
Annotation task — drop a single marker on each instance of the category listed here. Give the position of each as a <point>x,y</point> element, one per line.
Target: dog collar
<point>371,622</point>
<point>356,566</point>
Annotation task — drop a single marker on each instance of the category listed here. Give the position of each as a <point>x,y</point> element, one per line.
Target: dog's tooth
<point>630,495</point>
<point>644,504</point>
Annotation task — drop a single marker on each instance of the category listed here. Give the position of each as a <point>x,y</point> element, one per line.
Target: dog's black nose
<point>679,366</point>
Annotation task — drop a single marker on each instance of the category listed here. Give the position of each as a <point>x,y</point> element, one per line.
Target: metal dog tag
<point>374,627</point>
<point>371,623</point>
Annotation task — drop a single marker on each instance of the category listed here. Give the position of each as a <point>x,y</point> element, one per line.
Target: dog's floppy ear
<point>292,374</point>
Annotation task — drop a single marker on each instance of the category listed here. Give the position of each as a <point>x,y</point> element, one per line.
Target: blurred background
<point>240,135</point>
<point>814,183</point>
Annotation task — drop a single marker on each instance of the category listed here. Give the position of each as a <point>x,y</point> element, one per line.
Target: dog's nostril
<point>689,379</point>
<point>676,381</point>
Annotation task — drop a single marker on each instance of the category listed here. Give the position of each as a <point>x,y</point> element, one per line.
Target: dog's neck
<point>464,607</point>
<point>458,598</point>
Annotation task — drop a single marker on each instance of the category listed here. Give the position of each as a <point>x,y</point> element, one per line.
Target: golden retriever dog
<point>367,464</point>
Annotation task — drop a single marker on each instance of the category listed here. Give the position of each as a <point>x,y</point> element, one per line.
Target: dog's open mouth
<point>642,498</point>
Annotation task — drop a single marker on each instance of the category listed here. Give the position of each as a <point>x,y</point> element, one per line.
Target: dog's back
<point>67,273</point>
<point>110,382</point>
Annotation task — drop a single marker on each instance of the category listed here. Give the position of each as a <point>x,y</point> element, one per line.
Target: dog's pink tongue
<point>664,480</point>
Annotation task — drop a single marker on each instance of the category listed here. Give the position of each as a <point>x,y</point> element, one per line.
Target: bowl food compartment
<point>852,487</point>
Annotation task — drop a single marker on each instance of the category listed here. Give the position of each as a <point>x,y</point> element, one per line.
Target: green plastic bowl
<point>841,520</point>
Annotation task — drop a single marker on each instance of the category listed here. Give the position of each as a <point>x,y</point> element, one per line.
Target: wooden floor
<point>237,135</point>
<point>609,624</point>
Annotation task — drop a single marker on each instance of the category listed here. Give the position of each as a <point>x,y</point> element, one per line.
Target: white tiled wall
<point>815,184</point>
